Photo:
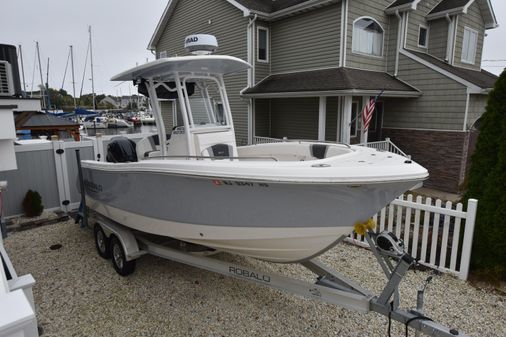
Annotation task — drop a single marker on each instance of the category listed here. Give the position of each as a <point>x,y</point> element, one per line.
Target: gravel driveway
<point>79,294</point>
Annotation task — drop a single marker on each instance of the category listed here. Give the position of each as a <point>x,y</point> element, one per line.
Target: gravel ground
<point>79,294</point>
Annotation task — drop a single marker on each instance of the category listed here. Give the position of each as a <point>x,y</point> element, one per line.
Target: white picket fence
<point>439,236</point>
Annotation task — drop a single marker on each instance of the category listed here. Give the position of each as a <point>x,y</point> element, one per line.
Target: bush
<point>32,204</point>
<point>487,183</point>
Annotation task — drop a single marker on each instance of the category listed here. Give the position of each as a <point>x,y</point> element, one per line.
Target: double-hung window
<point>469,45</point>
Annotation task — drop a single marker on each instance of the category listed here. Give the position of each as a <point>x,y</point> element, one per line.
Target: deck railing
<point>385,145</point>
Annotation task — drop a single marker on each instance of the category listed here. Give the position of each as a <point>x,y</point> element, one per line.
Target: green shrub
<point>487,183</point>
<point>32,204</point>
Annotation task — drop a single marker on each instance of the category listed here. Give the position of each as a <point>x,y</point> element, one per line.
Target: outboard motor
<point>121,150</point>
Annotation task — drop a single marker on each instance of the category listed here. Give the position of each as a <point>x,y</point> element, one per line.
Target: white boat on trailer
<point>280,202</point>
<point>196,192</point>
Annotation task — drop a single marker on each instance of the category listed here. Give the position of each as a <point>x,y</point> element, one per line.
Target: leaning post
<point>467,245</point>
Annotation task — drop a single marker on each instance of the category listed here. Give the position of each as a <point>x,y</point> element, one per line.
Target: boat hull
<point>280,222</point>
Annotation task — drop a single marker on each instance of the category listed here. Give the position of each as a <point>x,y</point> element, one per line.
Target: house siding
<point>306,41</point>
<point>474,20</point>
<point>227,23</point>
<point>393,28</point>
<point>438,38</point>
<point>295,118</point>
<point>167,116</point>
<point>441,107</point>
<point>477,106</point>
<point>415,19</point>
<point>376,10</point>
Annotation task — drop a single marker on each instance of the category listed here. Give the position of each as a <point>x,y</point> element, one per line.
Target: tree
<point>487,183</point>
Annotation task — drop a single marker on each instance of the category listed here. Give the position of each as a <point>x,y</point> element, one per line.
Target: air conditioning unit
<point>6,81</point>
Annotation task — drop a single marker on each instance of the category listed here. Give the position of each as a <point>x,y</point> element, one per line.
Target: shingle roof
<point>37,119</point>
<point>482,79</point>
<point>446,5</point>
<point>269,6</point>
<point>400,3</point>
<point>333,79</point>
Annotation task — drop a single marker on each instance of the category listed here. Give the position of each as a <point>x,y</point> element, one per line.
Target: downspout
<point>399,34</point>
<point>251,48</point>
<point>449,44</point>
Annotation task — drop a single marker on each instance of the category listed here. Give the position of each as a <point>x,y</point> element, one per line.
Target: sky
<point>121,30</point>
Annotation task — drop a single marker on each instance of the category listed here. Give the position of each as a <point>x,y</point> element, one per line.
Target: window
<point>367,37</point>
<point>423,35</point>
<point>263,44</point>
<point>163,54</point>
<point>469,45</point>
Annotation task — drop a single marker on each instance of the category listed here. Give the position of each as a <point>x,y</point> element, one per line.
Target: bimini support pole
<point>160,126</point>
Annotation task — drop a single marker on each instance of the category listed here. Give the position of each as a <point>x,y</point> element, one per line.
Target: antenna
<point>91,64</point>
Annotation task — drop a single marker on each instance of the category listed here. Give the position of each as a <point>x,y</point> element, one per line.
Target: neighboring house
<point>316,63</point>
<point>124,101</point>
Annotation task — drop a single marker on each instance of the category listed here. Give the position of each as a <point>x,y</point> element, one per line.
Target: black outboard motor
<point>121,150</point>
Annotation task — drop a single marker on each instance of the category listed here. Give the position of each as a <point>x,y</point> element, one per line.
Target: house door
<point>376,124</point>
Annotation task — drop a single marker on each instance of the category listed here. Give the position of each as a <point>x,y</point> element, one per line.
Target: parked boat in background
<point>119,123</point>
<point>147,118</point>
<point>95,123</point>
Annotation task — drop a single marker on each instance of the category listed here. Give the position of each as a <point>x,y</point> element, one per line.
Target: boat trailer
<point>124,246</point>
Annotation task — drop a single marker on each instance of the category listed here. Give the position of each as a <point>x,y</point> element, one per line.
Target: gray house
<point>317,62</point>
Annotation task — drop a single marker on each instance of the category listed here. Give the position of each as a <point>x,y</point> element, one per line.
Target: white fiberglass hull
<point>270,219</point>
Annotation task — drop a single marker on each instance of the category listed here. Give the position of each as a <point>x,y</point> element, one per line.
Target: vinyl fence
<point>51,169</point>
<point>439,235</point>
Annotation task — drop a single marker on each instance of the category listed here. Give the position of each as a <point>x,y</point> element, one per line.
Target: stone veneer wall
<point>443,153</point>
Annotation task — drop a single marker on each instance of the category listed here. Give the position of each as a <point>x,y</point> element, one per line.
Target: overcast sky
<point>121,32</point>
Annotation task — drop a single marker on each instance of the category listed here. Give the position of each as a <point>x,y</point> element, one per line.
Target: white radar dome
<point>201,44</point>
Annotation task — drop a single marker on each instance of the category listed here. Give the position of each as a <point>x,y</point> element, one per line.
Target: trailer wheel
<point>119,262</point>
<point>101,242</point>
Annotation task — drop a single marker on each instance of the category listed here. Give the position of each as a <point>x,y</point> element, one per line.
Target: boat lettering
<point>249,274</point>
<point>92,186</point>
<point>192,39</point>
<point>238,183</point>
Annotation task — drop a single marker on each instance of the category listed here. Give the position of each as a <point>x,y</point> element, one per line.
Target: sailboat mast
<point>73,77</point>
<point>48,106</point>
<point>40,71</point>
<point>22,69</point>
<point>91,62</point>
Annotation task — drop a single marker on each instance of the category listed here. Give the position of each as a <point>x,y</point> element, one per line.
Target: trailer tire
<point>101,242</point>
<point>119,262</point>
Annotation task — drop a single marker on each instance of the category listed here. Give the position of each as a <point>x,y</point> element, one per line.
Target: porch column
<point>322,118</point>
<point>346,108</point>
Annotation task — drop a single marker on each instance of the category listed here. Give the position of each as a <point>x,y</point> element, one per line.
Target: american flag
<point>368,112</point>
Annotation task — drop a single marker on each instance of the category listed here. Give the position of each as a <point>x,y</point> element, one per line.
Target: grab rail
<point>212,158</point>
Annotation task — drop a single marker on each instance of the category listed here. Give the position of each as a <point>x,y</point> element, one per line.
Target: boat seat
<point>148,145</point>
<point>319,151</point>
<point>219,150</point>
